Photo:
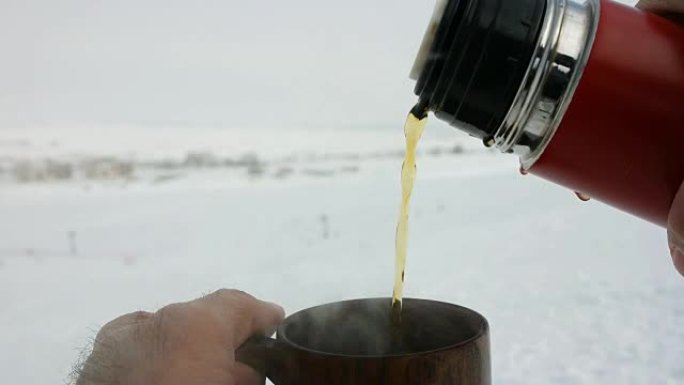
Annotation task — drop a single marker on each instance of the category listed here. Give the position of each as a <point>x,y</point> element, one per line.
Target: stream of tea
<point>413,130</point>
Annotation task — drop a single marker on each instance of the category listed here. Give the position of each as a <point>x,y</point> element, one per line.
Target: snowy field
<point>97,225</point>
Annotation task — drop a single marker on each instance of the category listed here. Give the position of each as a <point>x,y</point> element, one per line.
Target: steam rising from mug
<point>365,328</point>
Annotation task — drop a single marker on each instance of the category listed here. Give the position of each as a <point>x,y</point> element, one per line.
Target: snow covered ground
<point>576,293</point>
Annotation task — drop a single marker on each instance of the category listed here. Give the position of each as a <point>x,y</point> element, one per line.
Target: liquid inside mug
<point>355,343</point>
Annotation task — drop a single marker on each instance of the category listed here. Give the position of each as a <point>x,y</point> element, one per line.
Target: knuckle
<point>232,293</point>
<point>222,293</point>
<point>231,298</point>
<point>172,321</point>
<point>183,316</point>
<point>140,315</point>
<point>122,323</point>
<point>173,312</point>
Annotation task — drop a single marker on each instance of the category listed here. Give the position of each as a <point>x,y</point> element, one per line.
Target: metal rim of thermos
<point>557,57</point>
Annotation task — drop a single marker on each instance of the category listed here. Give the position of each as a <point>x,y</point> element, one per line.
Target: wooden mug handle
<point>266,355</point>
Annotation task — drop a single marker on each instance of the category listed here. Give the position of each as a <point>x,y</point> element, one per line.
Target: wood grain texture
<point>462,363</point>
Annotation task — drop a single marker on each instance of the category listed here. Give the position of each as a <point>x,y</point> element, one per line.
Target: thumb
<point>675,231</point>
<point>671,9</point>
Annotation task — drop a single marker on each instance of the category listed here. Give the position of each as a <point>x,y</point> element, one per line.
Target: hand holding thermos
<point>673,9</point>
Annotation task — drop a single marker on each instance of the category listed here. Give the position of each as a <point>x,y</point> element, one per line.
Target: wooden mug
<point>357,343</point>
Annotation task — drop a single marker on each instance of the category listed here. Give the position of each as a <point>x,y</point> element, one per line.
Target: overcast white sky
<point>226,63</point>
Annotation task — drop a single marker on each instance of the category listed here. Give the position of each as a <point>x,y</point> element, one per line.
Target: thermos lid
<point>473,60</point>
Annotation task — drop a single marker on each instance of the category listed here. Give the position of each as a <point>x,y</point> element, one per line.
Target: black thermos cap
<point>477,62</point>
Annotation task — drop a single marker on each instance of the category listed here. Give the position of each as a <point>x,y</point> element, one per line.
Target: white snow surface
<point>576,293</point>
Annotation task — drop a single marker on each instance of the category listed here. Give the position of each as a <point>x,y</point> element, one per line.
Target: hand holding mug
<point>184,343</point>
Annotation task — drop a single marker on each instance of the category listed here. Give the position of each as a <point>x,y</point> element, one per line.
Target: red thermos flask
<point>587,93</point>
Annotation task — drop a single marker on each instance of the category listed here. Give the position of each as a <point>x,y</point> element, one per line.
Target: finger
<point>675,231</point>
<point>244,314</point>
<point>672,9</point>
<point>244,375</point>
<point>661,5</point>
